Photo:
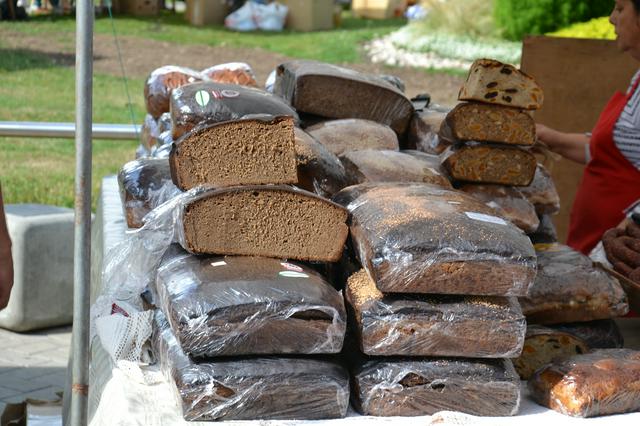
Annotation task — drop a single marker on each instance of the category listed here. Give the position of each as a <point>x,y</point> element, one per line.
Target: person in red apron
<point>611,180</point>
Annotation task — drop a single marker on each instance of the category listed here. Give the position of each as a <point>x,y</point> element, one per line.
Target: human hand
<point>6,275</point>
<point>622,247</point>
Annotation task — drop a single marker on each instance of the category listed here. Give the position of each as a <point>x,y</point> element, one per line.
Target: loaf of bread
<point>543,345</point>
<point>251,388</point>
<point>568,288</point>
<point>238,305</point>
<point>493,82</point>
<point>474,121</point>
<point>231,73</point>
<point>242,152</point>
<point>148,133</point>
<point>270,220</point>
<point>423,386</point>
<point>144,184</point>
<point>599,334</point>
<point>542,192</point>
<point>601,383</point>
<point>393,166</point>
<point>161,83</point>
<point>420,238</point>
<point>421,325</point>
<point>342,136</point>
<point>485,163</point>
<point>546,232</point>
<point>209,103</point>
<point>334,92</point>
<point>319,171</point>
<point>508,202</point>
<point>423,130</point>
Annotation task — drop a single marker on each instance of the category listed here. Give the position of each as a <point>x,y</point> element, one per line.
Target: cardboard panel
<point>578,77</point>
<point>378,9</point>
<point>310,15</point>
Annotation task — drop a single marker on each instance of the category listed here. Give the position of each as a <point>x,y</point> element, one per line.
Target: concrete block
<point>42,294</point>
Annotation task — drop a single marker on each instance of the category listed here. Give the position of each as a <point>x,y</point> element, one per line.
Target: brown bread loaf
<point>393,166</point>
<point>493,82</point>
<point>270,220</point>
<point>481,163</point>
<point>242,152</point>
<point>341,136</point>
<point>599,334</point>
<point>335,92</point>
<point>251,388</point>
<point>231,73</point>
<point>238,305</point>
<point>474,121</point>
<point>542,192</point>
<point>546,232</point>
<point>160,85</point>
<point>604,382</point>
<point>420,238</point>
<point>568,288</point>
<point>424,386</point>
<point>421,325</point>
<point>424,128</point>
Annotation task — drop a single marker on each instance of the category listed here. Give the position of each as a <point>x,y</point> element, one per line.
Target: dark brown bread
<point>270,221</point>
<point>331,91</point>
<point>424,128</point>
<point>546,232</point>
<point>243,152</point>
<point>421,325</point>
<point>473,121</point>
<point>542,192</point>
<point>342,136</point>
<point>160,85</point>
<point>599,334</point>
<point>420,238</point>
<point>499,164</point>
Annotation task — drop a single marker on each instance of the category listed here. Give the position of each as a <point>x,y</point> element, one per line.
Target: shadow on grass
<point>24,59</point>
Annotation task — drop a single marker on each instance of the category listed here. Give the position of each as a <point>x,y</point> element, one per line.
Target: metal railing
<point>32,129</point>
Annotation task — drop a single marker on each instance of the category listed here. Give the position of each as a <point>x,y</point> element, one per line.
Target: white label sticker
<point>293,274</point>
<point>202,98</point>
<point>291,267</point>
<point>230,93</point>
<point>485,218</point>
<point>219,263</point>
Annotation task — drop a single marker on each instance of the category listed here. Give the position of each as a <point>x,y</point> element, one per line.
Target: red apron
<point>610,182</point>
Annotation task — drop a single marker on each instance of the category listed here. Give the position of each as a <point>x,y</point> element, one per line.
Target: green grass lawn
<point>33,87</point>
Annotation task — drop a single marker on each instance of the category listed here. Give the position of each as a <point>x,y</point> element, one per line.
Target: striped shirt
<point>626,132</point>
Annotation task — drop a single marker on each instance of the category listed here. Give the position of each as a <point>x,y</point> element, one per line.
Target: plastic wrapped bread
<point>231,73</point>
<point>420,238</point>
<point>493,82</point>
<point>161,83</point>
<point>341,136</point>
<point>599,334</point>
<point>542,192</point>
<point>421,325</point>
<point>508,202</point>
<point>393,166</point>
<point>335,92</point>
<point>251,388</point>
<point>424,128</point>
<point>209,103</point>
<point>546,232</point>
<point>423,386</point>
<point>239,152</point>
<point>569,288</point>
<point>248,306</point>
<point>144,184</point>
<point>263,220</point>
<point>319,171</point>
<point>604,382</point>
<point>487,163</point>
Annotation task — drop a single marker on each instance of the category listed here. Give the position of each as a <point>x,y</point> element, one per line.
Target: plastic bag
<point>419,238</point>
<point>248,306</point>
<point>253,16</point>
<point>342,136</point>
<point>251,388</point>
<point>160,84</point>
<point>424,130</point>
<point>542,192</point>
<point>243,18</point>
<point>231,73</point>
<point>421,325</point>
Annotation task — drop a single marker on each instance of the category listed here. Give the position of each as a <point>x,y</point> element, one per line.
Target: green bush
<point>517,18</point>
<point>599,28</point>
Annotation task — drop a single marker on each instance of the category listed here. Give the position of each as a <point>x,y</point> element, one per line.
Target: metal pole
<point>82,235</point>
<point>33,129</point>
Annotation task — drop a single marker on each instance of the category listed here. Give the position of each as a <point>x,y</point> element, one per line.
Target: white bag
<point>271,17</point>
<point>243,18</point>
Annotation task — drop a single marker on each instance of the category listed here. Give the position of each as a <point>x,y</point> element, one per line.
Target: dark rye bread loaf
<point>251,388</point>
<point>424,128</point>
<point>508,202</point>
<point>604,382</point>
<point>421,325</point>
<point>599,334</point>
<point>334,92</point>
<point>542,192</point>
<point>144,184</point>
<point>209,103</point>
<point>569,288</point>
<point>161,83</point>
<point>546,232</point>
<point>238,305</point>
<point>341,136</point>
<point>543,345</point>
<point>319,171</point>
<point>242,152</point>
<point>424,386</point>
<point>393,166</point>
<point>483,163</point>
<point>271,221</point>
<point>420,238</point>
<point>473,121</point>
